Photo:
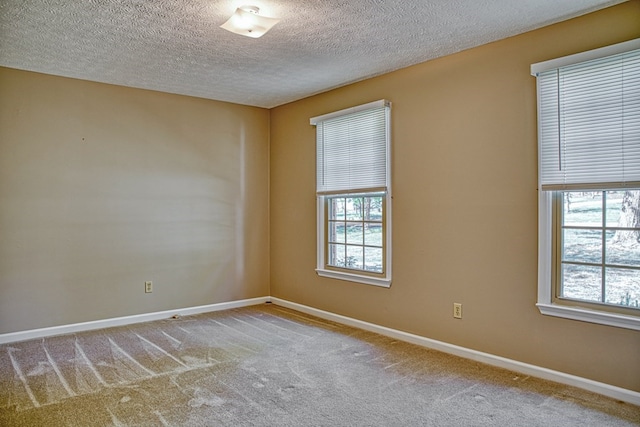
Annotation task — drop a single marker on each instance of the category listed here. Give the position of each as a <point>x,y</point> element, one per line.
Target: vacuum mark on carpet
<point>115,420</point>
<point>460,392</point>
<point>178,342</point>
<point>93,369</point>
<point>161,350</point>
<point>205,397</point>
<point>280,327</point>
<point>260,330</point>
<point>56,369</point>
<point>164,422</point>
<point>16,367</point>
<point>239,332</point>
<point>119,349</point>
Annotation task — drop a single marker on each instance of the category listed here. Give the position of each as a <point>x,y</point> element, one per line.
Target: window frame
<point>357,275</point>
<point>604,265</point>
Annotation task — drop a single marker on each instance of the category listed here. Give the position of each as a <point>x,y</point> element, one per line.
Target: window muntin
<point>356,232</point>
<point>599,249</point>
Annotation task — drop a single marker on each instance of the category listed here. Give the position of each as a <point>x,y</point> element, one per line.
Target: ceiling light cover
<point>246,21</point>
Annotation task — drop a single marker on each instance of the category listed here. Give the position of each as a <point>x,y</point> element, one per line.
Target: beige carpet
<point>269,366</point>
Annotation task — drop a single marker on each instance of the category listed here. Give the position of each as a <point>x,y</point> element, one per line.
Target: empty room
<point>319,213</point>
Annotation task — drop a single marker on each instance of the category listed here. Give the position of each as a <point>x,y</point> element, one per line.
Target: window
<point>354,194</point>
<point>589,185</point>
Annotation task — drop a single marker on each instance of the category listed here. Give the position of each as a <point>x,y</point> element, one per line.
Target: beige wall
<point>104,187</point>
<point>465,205</point>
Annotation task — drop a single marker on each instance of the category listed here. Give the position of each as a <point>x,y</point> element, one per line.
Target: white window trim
<point>384,282</point>
<point>584,56</point>
<point>545,267</point>
<point>380,103</point>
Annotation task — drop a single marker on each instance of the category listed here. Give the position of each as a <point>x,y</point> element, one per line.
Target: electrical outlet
<point>457,310</point>
<point>148,287</point>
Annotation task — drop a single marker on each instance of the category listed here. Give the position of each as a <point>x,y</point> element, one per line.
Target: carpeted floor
<point>269,366</point>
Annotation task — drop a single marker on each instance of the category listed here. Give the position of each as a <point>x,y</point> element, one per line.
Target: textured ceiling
<point>177,46</point>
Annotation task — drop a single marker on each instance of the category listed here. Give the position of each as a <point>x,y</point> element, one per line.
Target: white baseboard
<point>126,320</point>
<point>614,392</point>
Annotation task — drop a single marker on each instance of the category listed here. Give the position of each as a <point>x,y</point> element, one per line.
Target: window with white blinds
<point>589,177</point>
<point>589,119</point>
<point>352,149</point>
<point>354,194</point>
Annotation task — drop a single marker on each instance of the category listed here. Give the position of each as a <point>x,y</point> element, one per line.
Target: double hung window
<point>353,191</point>
<point>589,185</point>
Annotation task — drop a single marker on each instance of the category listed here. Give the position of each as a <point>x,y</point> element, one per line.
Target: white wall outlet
<point>148,287</point>
<point>457,310</point>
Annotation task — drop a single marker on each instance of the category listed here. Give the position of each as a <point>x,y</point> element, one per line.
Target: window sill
<point>368,280</point>
<point>591,316</point>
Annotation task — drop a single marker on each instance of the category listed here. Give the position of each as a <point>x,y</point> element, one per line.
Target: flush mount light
<point>246,21</point>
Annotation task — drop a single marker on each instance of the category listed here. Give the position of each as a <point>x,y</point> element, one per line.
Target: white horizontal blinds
<point>352,150</point>
<point>589,123</point>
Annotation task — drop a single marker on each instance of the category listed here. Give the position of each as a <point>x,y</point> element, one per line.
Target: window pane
<point>621,252</point>
<point>582,245</point>
<point>354,257</point>
<point>623,287</point>
<point>583,208</point>
<point>373,208</point>
<point>354,208</point>
<point>626,215</point>
<point>373,235</point>
<point>355,233</point>
<point>614,203</point>
<point>581,282</point>
<point>337,208</point>
<point>373,259</point>
<point>337,232</point>
<point>336,255</point>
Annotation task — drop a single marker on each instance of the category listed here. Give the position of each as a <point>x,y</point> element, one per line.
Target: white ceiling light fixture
<point>246,21</point>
